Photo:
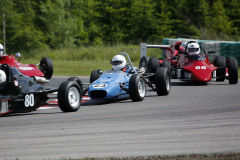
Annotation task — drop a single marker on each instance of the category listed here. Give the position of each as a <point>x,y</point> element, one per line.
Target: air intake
<point>98,94</point>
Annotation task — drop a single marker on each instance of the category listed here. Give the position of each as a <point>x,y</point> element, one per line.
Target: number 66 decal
<point>200,67</point>
<point>29,100</point>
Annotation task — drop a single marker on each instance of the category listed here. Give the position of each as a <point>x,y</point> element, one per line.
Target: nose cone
<point>201,72</point>
<point>107,86</point>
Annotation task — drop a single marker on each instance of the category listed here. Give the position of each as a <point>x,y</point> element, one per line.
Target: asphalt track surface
<point>191,119</point>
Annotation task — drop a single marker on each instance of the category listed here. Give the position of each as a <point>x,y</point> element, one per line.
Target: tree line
<point>33,24</point>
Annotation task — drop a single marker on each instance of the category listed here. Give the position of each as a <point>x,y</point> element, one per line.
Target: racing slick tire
<point>167,64</point>
<point>137,88</point>
<point>232,66</point>
<point>69,96</point>
<point>220,62</point>
<point>144,63</point>
<point>162,81</point>
<point>94,76</point>
<point>76,79</point>
<point>153,65</point>
<point>46,66</point>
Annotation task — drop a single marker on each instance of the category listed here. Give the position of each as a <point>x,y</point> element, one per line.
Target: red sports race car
<point>45,66</point>
<point>189,62</point>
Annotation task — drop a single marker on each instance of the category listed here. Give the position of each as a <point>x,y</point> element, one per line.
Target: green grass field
<point>77,68</point>
<point>82,67</point>
<point>81,61</point>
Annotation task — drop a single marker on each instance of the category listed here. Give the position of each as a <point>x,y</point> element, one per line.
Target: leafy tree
<point>193,16</point>
<point>124,21</point>
<point>108,20</point>
<point>20,30</point>
<point>163,24</point>
<point>32,24</point>
<point>219,21</point>
<point>26,36</point>
<point>57,23</point>
<point>84,16</point>
<point>142,17</point>
<point>234,14</point>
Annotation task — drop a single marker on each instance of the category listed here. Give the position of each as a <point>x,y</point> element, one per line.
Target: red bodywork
<point>26,69</point>
<point>200,70</point>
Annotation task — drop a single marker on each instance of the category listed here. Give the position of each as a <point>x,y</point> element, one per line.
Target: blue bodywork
<point>108,85</point>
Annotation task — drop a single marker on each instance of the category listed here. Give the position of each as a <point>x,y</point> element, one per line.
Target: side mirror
<point>210,52</point>
<point>99,71</point>
<point>176,47</point>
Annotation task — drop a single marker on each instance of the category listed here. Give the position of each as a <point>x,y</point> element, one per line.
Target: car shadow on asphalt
<point>188,84</point>
<point>103,102</point>
<point>183,83</point>
<point>98,102</point>
<point>29,113</point>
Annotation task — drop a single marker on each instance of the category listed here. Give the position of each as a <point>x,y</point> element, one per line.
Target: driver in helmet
<point>193,49</point>
<point>2,54</point>
<point>1,50</point>
<point>118,63</point>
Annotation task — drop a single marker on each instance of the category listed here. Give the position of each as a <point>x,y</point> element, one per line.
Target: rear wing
<point>144,46</point>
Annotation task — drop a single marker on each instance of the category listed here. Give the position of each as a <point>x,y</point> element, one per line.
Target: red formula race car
<point>45,66</point>
<point>187,61</point>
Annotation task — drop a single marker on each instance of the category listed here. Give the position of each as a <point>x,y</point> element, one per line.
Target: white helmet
<point>1,50</point>
<point>118,62</point>
<point>193,49</point>
<point>3,76</point>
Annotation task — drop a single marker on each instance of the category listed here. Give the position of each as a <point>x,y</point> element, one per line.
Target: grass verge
<point>77,68</point>
<point>81,67</point>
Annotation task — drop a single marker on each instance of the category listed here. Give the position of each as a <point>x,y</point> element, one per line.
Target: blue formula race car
<point>124,81</point>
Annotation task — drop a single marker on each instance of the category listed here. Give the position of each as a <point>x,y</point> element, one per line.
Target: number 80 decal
<point>29,100</point>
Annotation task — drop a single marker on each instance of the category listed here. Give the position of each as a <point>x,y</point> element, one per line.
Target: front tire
<point>220,62</point>
<point>69,96</point>
<point>162,81</point>
<point>137,88</point>
<point>46,66</point>
<point>232,65</point>
<point>94,76</point>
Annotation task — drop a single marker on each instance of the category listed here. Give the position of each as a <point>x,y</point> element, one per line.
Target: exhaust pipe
<point>41,80</point>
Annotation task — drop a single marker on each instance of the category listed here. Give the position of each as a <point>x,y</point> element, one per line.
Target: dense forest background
<point>56,24</point>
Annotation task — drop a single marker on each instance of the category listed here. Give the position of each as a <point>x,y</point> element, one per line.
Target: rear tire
<point>232,65</point>
<point>76,79</point>
<point>69,96</point>
<point>220,61</point>
<point>153,65</point>
<point>46,66</point>
<point>144,63</point>
<point>167,64</point>
<point>163,82</point>
<point>137,88</point>
<point>94,76</point>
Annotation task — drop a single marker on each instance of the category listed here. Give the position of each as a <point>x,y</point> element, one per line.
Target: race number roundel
<point>29,100</point>
<point>101,85</point>
<point>200,67</point>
